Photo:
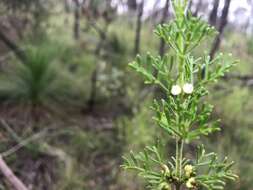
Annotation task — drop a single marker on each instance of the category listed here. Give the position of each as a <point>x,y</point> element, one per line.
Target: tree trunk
<point>198,7</point>
<point>223,23</point>
<point>214,12</point>
<point>66,6</point>
<point>77,20</point>
<point>93,93</point>
<point>251,18</point>
<point>132,5</point>
<point>10,176</point>
<point>190,6</point>
<point>103,36</point>
<point>138,28</point>
<point>163,20</point>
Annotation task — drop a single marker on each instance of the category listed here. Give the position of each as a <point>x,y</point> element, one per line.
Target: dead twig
<point>11,177</point>
<point>245,79</point>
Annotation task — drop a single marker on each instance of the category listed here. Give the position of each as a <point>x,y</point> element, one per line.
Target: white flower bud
<point>176,90</point>
<point>188,88</point>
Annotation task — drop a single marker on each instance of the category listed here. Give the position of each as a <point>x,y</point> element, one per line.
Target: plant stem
<point>177,187</point>
<point>179,157</point>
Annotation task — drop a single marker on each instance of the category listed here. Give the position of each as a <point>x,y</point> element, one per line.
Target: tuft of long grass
<point>41,81</point>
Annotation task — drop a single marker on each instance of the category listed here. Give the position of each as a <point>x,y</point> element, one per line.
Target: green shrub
<point>183,115</point>
<point>40,81</point>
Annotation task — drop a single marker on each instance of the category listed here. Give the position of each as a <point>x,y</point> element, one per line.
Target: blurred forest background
<point>70,107</point>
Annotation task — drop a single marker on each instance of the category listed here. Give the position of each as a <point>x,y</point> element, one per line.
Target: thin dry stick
<point>11,177</point>
<point>23,143</point>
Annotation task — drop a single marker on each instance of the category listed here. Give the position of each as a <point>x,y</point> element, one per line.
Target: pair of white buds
<point>187,89</point>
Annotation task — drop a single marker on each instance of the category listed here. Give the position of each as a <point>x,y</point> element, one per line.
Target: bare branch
<point>11,177</point>
<point>245,79</point>
<point>13,46</point>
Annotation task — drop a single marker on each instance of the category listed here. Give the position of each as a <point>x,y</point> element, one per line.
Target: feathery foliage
<point>40,81</point>
<point>184,114</point>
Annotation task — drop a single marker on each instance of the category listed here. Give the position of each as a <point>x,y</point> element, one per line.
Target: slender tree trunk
<point>154,10</point>
<point>214,12</point>
<point>16,183</point>
<point>138,28</point>
<point>163,20</point>
<point>157,2</point>
<point>198,7</point>
<point>223,23</point>
<point>251,18</point>
<point>66,6</point>
<point>132,5</point>
<point>93,93</point>
<point>77,20</point>
<point>190,6</point>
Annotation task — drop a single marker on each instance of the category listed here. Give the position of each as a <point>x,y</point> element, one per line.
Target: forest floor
<point>89,139</point>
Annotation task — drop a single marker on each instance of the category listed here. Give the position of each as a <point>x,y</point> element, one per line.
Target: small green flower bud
<point>188,170</point>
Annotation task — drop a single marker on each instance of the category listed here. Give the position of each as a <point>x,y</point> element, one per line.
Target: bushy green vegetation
<point>81,147</point>
<point>38,81</point>
<point>182,114</point>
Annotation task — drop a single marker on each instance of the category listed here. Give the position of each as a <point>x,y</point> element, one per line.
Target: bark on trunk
<point>198,7</point>
<point>223,23</point>
<point>251,18</point>
<point>132,5</point>
<point>93,93</point>
<point>190,6</point>
<point>77,20</point>
<point>163,20</point>
<point>214,12</point>
<point>138,28</point>
<point>16,183</point>
<point>100,45</point>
